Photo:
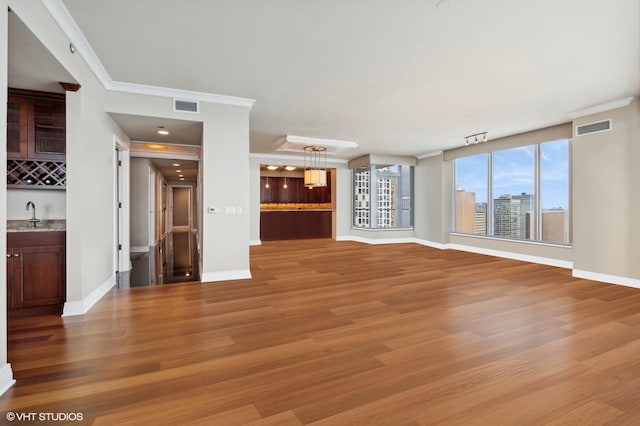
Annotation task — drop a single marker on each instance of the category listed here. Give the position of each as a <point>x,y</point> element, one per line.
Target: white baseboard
<point>255,243</point>
<point>139,249</point>
<point>6,378</point>
<point>515,256</point>
<point>490,252</point>
<point>240,274</point>
<point>375,240</point>
<point>81,307</point>
<point>432,244</point>
<point>606,278</point>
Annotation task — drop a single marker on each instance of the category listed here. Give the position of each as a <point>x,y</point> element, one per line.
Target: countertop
<point>42,226</point>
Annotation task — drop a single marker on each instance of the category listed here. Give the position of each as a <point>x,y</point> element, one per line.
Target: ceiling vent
<point>186,106</point>
<point>600,126</point>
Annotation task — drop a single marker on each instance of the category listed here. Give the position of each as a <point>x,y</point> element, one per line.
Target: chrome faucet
<point>33,219</point>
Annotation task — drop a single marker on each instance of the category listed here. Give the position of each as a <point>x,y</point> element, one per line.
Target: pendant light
<point>285,183</point>
<point>267,184</point>
<point>315,166</point>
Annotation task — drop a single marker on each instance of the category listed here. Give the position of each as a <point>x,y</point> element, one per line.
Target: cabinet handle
<point>8,255</point>
<point>16,255</point>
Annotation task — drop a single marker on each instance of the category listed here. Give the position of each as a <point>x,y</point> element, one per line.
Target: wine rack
<point>37,174</point>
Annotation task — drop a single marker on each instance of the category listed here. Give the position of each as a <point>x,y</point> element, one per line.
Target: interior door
<point>180,200</point>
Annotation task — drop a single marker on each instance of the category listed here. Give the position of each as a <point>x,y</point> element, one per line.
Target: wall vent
<point>180,105</point>
<point>599,126</point>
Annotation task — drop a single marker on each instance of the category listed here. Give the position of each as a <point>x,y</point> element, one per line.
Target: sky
<point>513,173</point>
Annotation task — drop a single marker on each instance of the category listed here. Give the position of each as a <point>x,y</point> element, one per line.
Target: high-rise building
<point>480,224</point>
<point>386,201</point>
<point>512,216</point>
<point>465,211</point>
<point>386,190</point>
<point>361,199</point>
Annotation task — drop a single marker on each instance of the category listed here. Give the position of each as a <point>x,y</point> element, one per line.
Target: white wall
<point>139,204</point>
<point>606,198</point>
<point>6,375</point>
<point>90,168</point>
<point>50,203</point>
<point>431,198</point>
<point>225,183</point>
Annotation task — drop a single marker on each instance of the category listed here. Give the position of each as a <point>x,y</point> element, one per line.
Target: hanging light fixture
<point>315,166</point>
<point>285,183</point>
<point>267,184</point>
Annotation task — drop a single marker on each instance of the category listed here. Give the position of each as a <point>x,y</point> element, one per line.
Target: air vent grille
<point>600,126</point>
<point>185,106</point>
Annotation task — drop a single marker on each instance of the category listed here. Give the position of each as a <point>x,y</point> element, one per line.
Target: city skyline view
<point>513,173</point>
<point>514,202</point>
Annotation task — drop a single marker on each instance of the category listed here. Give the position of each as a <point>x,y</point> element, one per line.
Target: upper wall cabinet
<point>36,125</point>
<point>36,140</point>
<point>292,190</point>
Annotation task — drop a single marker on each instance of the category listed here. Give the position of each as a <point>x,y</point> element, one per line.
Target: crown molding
<point>69,27</point>
<point>601,108</point>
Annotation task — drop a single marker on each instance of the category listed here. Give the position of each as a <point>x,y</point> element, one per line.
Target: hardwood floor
<point>343,333</point>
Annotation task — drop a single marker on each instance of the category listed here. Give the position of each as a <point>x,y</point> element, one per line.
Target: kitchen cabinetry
<point>35,272</point>
<point>36,125</point>
<point>36,140</point>
<point>295,192</point>
<point>293,225</point>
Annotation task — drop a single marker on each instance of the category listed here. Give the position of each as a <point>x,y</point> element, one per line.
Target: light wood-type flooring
<point>343,333</point>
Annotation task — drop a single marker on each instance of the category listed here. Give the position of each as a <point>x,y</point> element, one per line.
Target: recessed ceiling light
<point>272,167</point>
<point>181,178</point>
<point>178,171</point>
<point>290,168</point>
<point>176,164</point>
<point>180,175</point>
<point>162,131</point>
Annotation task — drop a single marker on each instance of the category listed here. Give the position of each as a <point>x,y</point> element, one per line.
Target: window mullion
<point>490,227</point>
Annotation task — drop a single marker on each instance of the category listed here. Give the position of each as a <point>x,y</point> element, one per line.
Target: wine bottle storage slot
<point>36,174</point>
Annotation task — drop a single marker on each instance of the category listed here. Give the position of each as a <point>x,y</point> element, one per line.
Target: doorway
<point>164,221</point>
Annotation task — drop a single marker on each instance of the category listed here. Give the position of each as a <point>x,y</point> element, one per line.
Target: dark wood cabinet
<point>290,225</point>
<point>295,192</point>
<point>36,125</point>
<point>35,272</point>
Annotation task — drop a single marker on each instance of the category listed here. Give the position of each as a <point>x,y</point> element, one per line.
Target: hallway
<point>174,260</point>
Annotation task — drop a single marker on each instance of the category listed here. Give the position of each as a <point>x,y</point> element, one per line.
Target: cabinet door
<point>17,127</point>
<point>38,276</point>
<point>49,130</point>
<point>10,303</point>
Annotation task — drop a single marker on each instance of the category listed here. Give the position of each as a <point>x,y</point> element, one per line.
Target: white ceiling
<point>31,66</point>
<point>396,76</point>
<point>188,168</point>
<point>145,129</point>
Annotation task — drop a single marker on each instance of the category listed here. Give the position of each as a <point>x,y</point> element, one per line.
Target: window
<point>514,199</point>
<point>554,192</point>
<point>471,194</point>
<point>519,193</point>
<point>383,196</point>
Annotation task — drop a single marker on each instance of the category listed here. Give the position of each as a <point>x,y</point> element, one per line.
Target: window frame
<point>537,188</point>
<point>374,204</point>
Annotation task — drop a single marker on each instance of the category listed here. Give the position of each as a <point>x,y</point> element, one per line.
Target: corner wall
<point>225,185</point>
<point>6,374</point>
<point>606,198</point>
<point>139,204</point>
